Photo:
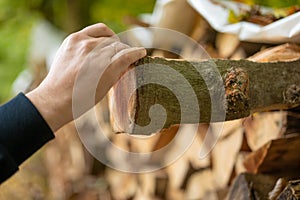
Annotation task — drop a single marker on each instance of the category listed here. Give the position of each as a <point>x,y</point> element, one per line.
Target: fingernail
<point>139,48</point>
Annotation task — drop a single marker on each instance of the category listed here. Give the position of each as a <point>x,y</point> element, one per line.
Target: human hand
<point>84,57</point>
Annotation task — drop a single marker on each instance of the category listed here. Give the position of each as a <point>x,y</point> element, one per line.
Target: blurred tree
<point>67,15</point>
<point>15,26</point>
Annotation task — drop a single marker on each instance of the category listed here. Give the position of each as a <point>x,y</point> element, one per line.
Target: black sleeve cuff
<point>7,165</point>
<point>22,129</point>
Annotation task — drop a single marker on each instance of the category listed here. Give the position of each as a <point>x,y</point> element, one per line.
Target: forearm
<point>53,109</point>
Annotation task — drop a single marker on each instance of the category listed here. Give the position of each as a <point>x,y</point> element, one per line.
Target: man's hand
<point>92,56</point>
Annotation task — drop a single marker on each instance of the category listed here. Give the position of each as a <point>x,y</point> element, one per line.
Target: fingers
<point>128,55</point>
<point>117,47</point>
<point>118,64</point>
<point>105,50</point>
<point>124,58</point>
<point>109,51</point>
<point>106,42</point>
<point>98,30</point>
<point>109,44</point>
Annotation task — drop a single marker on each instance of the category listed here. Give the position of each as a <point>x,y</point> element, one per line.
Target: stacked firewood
<point>254,158</point>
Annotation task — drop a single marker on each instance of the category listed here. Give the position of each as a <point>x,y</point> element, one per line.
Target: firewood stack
<point>255,157</point>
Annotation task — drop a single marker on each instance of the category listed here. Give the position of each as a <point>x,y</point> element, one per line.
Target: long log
<point>186,91</point>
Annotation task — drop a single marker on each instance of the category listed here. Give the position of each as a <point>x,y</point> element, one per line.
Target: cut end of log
<point>122,111</point>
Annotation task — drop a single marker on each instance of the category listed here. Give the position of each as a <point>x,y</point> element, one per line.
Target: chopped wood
<point>263,127</point>
<point>165,137</point>
<point>122,185</point>
<point>224,153</point>
<point>161,184</point>
<point>204,180</point>
<point>170,19</point>
<point>249,186</point>
<point>285,52</point>
<point>146,185</point>
<point>278,188</point>
<point>238,54</point>
<point>291,192</point>
<point>245,92</point>
<point>176,173</point>
<point>276,157</point>
<point>239,165</point>
<point>67,152</point>
<point>293,121</point>
<point>227,44</point>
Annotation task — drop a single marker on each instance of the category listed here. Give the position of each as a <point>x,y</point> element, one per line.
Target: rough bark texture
<point>243,87</point>
<point>291,192</point>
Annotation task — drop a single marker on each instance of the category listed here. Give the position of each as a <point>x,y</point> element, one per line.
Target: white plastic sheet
<point>281,31</point>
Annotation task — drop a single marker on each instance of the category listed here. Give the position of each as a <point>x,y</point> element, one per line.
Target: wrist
<point>52,111</point>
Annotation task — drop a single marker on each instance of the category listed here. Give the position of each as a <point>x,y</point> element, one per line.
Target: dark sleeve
<point>22,132</point>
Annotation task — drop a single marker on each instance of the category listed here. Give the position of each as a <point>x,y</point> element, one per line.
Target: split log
<point>278,157</point>
<point>204,180</point>
<point>260,128</point>
<point>291,192</point>
<point>121,185</point>
<point>227,44</point>
<point>249,186</point>
<point>293,121</point>
<point>249,87</point>
<point>278,188</point>
<point>285,52</point>
<point>224,154</point>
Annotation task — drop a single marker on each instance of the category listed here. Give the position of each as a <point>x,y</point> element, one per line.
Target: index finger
<point>98,30</point>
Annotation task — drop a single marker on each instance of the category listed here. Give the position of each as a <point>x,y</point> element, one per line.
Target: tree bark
<point>291,192</point>
<point>248,186</point>
<point>241,88</point>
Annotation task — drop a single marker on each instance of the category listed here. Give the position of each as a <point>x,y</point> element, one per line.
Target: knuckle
<point>74,37</point>
<point>103,27</point>
<point>87,46</point>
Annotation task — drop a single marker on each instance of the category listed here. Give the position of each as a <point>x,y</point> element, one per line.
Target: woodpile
<point>255,156</point>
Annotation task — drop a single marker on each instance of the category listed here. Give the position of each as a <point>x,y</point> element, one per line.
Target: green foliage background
<point>17,17</point>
